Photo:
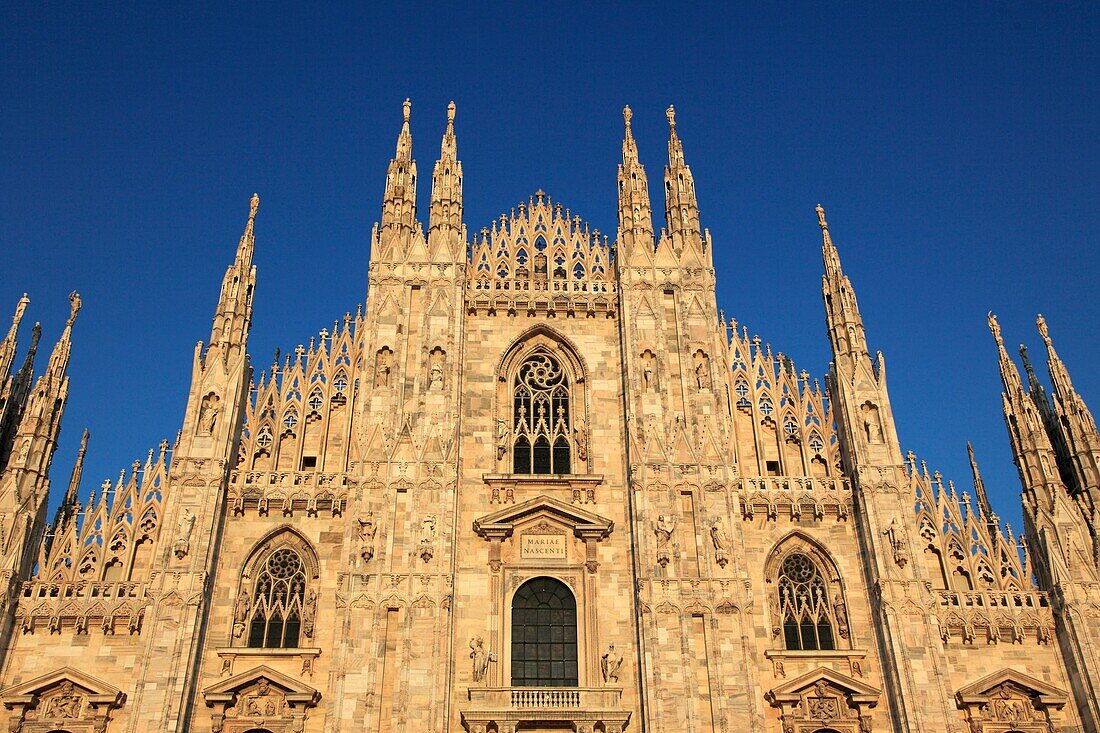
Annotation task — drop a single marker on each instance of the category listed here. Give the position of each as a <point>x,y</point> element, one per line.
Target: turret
<point>446,232</point>
<point>635,211</point>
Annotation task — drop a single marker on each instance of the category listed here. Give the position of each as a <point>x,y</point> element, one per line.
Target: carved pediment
<point>65,698</point>
<point>1013,698</point>
<point>260,697</point>
<point>584,524</point>
<point>824,697</point>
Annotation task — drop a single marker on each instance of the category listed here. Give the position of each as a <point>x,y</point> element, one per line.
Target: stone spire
<point>399,201</point>
<point>68,504</point>
<point>635,212</point>
<point>979,486</point>
<point>9,344</point>
<point>446,235</point>
<point>1068,402</point>
<point>681,207</point>
<point>233,316</point>
<point>841,310</point>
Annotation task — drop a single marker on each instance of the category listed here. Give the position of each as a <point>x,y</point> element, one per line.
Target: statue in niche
<point>367,530</point>
<point>240,612</point>
<point>718,536</point>
<point>610,664</point>
<point>502,439</point>
<point>871,423</point>
<point>184,527</point>
<point>841,610</point>
<point>67,704</point>
<point>481,658</point>
<point>309,612</point>
<point>666,523</point>
<point>435,370</point>
<point>208,414</point>
<point>702,370</point>
<point>649,377</point>
<point>897,544</point>
<point>427,536</point>
<point>580,435</point>
<point>382,367</point>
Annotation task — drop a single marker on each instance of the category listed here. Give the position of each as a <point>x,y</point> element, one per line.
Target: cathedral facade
<point>539,482</point>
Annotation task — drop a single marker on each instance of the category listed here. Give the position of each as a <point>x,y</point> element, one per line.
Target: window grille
<point>544,635</point>
<point>540,417</point>
<point>277,609</point>
<point>804,605</point>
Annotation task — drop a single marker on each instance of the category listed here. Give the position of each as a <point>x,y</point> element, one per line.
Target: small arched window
<point>276,613</point>
<point>804,606</point>
<point>544,635</point>
<point>541,417</point>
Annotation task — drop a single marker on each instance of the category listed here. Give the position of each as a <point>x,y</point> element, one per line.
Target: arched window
<point>278,601</point>
<point>804,604</point>
<point>541,418</point>
<point>544,635</point>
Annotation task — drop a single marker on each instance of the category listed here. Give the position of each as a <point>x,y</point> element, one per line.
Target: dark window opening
<point>544,635</point>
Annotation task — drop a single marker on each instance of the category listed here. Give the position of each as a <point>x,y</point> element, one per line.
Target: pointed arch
<point>542,424</point>
<point>276,602</point>
<point>806,595</point>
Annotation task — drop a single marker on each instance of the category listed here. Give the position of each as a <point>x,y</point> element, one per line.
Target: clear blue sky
<point>954,148</point>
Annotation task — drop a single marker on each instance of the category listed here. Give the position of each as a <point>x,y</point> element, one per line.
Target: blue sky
<point>954,149</point>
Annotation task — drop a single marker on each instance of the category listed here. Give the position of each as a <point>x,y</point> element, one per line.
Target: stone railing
<point>552,286</point>
<point>545,698</point>
<point>994,599</point>
<point>76,605</point>
<point>559,297</point>
<point>287,492</point>
<point>82,589</point>
<point>794,496</point>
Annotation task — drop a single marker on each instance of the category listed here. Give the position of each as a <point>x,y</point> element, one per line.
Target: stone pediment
<point>1000,683</point>
<point>295,691</point>
<point>63,699</point>
<point>585,525</point>
<point>259,698</point>
<point>856,691</point>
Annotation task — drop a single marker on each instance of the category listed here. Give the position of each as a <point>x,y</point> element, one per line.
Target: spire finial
<point>1043,331</point>
<point>451,112</point>
<point>74,307</point>
<point>406,109</point>
<point>253,205</point>
<point>627,115</point>
<point>995,329</point>
<point>821,217</point>
<point>670,113</point>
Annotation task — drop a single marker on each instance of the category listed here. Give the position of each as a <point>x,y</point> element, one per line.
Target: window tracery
<point>804,605</point>
<point>276,606</point>
<point>541,417</point>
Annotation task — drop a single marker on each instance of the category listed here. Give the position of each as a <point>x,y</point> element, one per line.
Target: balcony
<point>509,706</point>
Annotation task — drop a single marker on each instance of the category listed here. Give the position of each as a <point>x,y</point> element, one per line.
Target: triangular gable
<point>296,692</point>
<point>101,693</point>
<point>978,693</point>
<point>584,523</point>
<point>856,691</point>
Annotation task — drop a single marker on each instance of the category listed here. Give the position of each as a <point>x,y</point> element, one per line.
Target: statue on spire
<point>74,307</point>
<point>670,113</point>
<point>821,217</point>
<point>406,109</point>
<point>253,205</point>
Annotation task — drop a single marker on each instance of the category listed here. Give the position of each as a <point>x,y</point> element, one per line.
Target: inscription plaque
<point>542,546</point>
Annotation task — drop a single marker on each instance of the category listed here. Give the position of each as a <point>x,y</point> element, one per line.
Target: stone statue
<point>666,523</point>
<point>702,375</point>
<point>240,612</point>
<point>184,528</point>
<point>649,380</point>
<point>502,439</point>
<point>382,368</point>
<point>427,537</point>
<point>309,612</point>
<point>481,658</point>
<point>435,370</point>
<point>610,663</point>
<point>718,536</point>
<point>580,434</point>
<point>367,530</point>
<point>871,423</point>
<point>208,414</point>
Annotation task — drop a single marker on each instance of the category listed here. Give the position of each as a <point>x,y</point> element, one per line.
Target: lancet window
<point>804,607</point>
<point>541,420</point>
<point>277,604</point>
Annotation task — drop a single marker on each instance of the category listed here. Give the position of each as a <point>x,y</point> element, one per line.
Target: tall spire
<point>446,238</point>
<point>233,316</point>
<point>681,207</point>
<point>1068,401</point>
<point>841,310</point>
<point>62,350</point>
<point>979,485</point>
<point>1010,376</point>
<point>635,212</point>
<point>399,201</point>
<point>68,504</point>
<point>8,345</point>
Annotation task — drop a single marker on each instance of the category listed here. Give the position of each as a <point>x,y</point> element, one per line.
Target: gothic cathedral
<point>539,482</point>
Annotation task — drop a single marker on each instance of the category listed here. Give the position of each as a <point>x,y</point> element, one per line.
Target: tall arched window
<point>544,635</point>
<point>278,601</point>
<point>804,604</point>
<point>540,417</point>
